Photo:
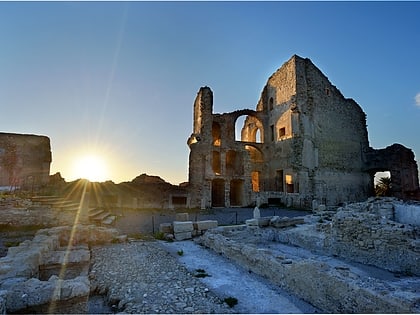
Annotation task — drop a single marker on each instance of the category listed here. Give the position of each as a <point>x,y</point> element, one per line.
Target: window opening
<point>217,165</point>
<point>289,183</point>
<point>216,134</point>
<point>255,177</point>
<point>282,132</point>
<point>383,184</point>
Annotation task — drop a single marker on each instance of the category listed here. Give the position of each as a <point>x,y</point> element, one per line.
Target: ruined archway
<point>248,127</point>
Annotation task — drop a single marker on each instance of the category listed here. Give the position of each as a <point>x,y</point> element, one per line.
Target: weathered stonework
<point>24,160</point>
<point>304,142</point>
<point>50,273</point>
<point>354,260</point>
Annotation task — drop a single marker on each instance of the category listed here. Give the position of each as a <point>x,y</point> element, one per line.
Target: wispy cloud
<point>417,99</point>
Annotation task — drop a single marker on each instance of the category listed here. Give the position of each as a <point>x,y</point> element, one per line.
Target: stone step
<point>109,220</point>
<point>100,216</point>
<point>94,212</point>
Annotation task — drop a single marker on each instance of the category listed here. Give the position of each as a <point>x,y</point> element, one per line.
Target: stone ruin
<point>24,161</point>
<point>183,229</point>
<point>357,259</point>
<point>48,273</point>
<point>304,142</point>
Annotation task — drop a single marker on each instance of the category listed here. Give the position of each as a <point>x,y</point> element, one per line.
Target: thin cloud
<point>417,98</point>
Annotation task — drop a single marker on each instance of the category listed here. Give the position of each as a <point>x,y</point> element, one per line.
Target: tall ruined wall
<point>24,160</point>
<point>334,137</point>
<point>312,147</point>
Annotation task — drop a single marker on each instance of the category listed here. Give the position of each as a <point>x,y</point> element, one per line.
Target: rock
<point>257,213</point>
<point>185,226</point>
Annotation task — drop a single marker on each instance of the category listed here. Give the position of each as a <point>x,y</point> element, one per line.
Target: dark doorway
<point>218,193</point>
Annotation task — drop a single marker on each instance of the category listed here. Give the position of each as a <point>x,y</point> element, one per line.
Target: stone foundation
<point>50,273</point>
<point>354,260</point>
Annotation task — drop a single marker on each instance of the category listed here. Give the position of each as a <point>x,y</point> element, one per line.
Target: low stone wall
<point>327,283</point>
<point>407,213</point>
<point>53,253</point>
<point>367,233</point>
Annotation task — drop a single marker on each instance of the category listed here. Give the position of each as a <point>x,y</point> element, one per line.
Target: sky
<point>114,83</point>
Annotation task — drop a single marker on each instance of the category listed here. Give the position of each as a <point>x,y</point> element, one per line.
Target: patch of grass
<point>180,252</point>
<point>231,301</point>
<point>140,236</point>
<point>160,236</point>
<point>11,243</point>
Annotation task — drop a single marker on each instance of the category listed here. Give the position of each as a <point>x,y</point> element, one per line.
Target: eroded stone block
<point>205,225</point>
<point>180,236</point>
<point>185,226</point>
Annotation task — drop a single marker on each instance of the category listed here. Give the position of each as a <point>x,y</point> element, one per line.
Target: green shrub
<point>231,301</point>
<point>201,273</point>
<point>180,252</point>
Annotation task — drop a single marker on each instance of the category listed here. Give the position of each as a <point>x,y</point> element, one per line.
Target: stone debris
<point>144,278</point>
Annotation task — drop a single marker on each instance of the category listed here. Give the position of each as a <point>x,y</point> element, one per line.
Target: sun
<point>90,167</point>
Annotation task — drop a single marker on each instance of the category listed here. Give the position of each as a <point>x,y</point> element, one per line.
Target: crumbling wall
<point>23,288</point>
<point>364,232</point>
<point>400,162</point>
<point>24,160</point>
<point>313,146</point>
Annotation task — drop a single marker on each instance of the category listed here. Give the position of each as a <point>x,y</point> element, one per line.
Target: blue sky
<point>118,79</point>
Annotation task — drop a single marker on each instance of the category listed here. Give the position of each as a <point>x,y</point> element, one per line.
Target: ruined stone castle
<point>304,144</point>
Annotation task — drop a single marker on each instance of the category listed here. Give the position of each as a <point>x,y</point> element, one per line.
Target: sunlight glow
<point>91,167</point>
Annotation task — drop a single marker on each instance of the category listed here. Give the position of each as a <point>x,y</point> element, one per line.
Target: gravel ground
<point>142,277</point>
<point>151,277</point>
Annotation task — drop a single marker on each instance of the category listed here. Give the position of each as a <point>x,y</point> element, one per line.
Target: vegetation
<point>180,252</point>
<point>201,273</point>
<point>383,187</point>
<point>160,236</point>
<point>231,301</point>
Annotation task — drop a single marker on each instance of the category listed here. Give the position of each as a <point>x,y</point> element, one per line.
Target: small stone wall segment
<point>407,213</point>
<point>21,288</point>
<point>27,296</point>
<point>335,289</point>
<point>183,230</point>
<point>366,232</point>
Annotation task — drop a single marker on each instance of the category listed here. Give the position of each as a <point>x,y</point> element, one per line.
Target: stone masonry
<point>50,273</point>
<point>24,160</point>
<point>305,141</point>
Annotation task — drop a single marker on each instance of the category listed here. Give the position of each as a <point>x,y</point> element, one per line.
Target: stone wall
<point>312,141</point>
<point>24,160</point>
<point>330,284</point>
<point>364,232</point>
<point>60,254</point>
